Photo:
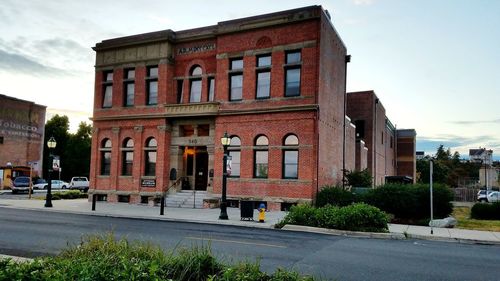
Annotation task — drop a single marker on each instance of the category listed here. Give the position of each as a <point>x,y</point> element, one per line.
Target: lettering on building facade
<point>196,49</point>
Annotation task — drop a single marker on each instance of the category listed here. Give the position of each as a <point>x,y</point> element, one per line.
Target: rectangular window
<point>235,163</point>
<point>152,85</point>
<point>293,57</point>
<point>1,140</point>
<point>186,130</point>
<point>195,95</point>
<point>360,128</point>
<point>292,73</point>
<point>292,81</point>
<point>107,100</point>
<point>263,84</point>
<point>105,163</point>
<point>290,164</point>
<point>203,130</point>
<point>180,84</point>
<point>263,61</point>
<point>236,87</point>
<point>129,87</point>
<point>211,89</point>
<point>128,158</point>
<point>236,64</point>
<point>261,164</point>
<point>150,168</point>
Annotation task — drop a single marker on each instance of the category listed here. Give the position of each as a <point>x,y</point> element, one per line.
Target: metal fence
<point>463,194</point>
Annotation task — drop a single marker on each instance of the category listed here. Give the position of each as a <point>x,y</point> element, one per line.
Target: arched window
<point>150,157</point>
<point>261,157</point>
<point>195,84</point>
<point>234,150</point>
<point>105,157</point>
<point>291,157</point>
<point>127,157</point>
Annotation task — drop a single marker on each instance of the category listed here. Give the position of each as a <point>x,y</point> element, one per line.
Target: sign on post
<point>56,164</point>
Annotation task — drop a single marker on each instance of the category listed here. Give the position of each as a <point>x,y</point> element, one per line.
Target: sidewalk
<point>211,216</point>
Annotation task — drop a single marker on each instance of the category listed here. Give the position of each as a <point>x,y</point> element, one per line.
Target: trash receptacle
<point>246,208</point>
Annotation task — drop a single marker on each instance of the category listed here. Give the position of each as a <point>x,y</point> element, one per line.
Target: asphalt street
<point>31,233</point>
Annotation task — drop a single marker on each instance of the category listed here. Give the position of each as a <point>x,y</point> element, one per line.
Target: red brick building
<point>390,151</point>
<point>22,126</point>
<point>275,83</point>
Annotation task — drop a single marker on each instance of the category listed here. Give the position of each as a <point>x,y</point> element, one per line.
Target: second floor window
<point>211,89</point>
<point>107,100</point>
<point>292,74</point>
<point>263,77</point>
<point>152,85</point>
<point>195,84</point>
<point>236,80</point>
<point>129,87</point>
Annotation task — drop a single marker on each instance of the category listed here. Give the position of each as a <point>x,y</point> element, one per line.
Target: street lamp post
<point>225,140</point>
<point>51,144</point>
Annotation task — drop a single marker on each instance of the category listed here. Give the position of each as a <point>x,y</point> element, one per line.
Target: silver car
<point>493,196</point>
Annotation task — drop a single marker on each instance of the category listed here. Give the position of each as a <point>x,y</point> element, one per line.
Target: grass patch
<point>106,258</point>
<point>462,214</point>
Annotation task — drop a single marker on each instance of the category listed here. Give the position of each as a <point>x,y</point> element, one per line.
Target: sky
<point>433,63</point>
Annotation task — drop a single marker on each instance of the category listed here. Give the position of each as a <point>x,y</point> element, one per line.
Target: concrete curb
<point>15,258</point>
<point>357,234</point>
<point>391,235</point>
<point>228,223</point>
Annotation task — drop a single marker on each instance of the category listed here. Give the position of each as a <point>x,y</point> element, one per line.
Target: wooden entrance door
<point>201,171</point>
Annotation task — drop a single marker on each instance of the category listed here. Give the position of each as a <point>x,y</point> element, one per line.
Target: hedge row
<point>409,202</point>
<point>104,258</point>
<point>355,217</point>
<point>70,194</point>
<point>485,211</point>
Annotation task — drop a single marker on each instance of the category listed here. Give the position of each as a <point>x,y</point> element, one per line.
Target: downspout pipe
<point>347,60</point>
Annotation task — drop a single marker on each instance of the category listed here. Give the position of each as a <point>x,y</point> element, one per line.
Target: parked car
<point>493,196</point>
<point>80,183</point>
<point>56,184</point>
<point>20,184</point>
<point>39,184</point>
<point>481,195</point>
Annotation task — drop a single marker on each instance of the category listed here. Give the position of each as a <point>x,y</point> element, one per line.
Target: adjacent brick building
<point>22,126</point>
<point>390,152</point>
<point>275,83</point>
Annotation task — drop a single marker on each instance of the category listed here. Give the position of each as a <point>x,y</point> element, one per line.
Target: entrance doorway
<point>196,167</point>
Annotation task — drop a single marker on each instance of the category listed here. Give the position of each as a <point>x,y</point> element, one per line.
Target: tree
<point>72,149</point>
<point>77,154</point>
<point>359,178</point>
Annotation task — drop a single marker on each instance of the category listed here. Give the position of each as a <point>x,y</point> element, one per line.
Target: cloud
<point>11,62</point>
<point>458,143</point>
<point>470,122</point>
<point>363,2</point>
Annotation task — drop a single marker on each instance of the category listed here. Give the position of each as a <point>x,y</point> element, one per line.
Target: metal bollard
<point>162,206</point>
<point>94,200</point>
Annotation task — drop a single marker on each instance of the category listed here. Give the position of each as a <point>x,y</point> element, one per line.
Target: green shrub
<point>411,202</point>
<point>359,178</point>
<point>300,215</point>
<point>70,194</point>
<point>336,196</point>
<point>105,258</point>
<point>355,217</point>
<point>361,217</point>
<point>484,211</point>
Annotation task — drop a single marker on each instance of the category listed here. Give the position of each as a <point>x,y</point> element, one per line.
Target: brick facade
<point>22,126</point>
<point>186,123</point>
<point>388,154</point>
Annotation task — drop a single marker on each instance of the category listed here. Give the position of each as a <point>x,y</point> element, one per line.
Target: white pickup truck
<point>80,183</point>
